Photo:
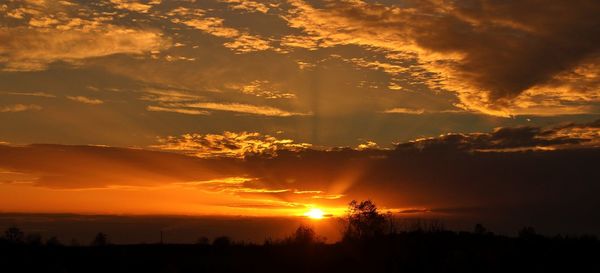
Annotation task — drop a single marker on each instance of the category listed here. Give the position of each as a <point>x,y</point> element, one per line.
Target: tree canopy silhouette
<point>14,235</point>
<point>363,221</point>
<point>304,235</point>
<point>101,239</point>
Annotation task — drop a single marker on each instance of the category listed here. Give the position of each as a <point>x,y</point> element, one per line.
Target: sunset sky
<point>481,109</point>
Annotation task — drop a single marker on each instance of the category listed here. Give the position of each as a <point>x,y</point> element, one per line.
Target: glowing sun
<point>315,214</point>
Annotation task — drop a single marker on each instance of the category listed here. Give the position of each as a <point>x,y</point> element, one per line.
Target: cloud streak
<point>19,108</point>
<point>236,108</point>
<point>86,100</point>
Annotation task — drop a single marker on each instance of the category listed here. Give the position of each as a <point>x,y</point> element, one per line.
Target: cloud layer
<point>229,144</point>
<point>546,174</point>
<point>30,49</point>
<point>489,52</point>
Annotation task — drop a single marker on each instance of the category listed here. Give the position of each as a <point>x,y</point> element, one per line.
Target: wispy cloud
<point>30,94</point>
<point>242,108</point>
<point>421,111</point>
<point>153,108</point>
<point>85,100</point>
<point>168,95</point>
<point>409,111</point>
<point>19,108</point>
<point>242,42</point>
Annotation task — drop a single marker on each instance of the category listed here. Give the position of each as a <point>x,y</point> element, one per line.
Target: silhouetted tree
<point>363,221</point>
<point>479,229</point>
<point>527,233</point>
<point>101,239</point>
<point>14,235</point>
<point>203,240</point>
<point>305,235</point>
<point>221,241</point>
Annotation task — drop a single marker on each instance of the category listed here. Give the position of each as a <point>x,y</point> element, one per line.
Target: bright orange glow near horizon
<point>315,213</point>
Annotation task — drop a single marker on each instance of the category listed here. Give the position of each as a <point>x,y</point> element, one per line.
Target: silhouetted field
<point>417,251</point>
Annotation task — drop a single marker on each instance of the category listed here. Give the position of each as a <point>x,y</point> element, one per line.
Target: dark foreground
<point>405,252</point>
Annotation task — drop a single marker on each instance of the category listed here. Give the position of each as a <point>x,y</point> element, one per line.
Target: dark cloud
<point>511,46</point>
<point>507,138</point>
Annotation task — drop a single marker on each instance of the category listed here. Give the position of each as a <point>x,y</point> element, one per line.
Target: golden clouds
<point>493,57</point>
<point>242,42</point>
<point>44,32</point>
<point>161,95</point>
<point>249,6</point>
<point>248,43</point>
<point>132,5</point>
<point>30,94</point>
<point>153,108</point>
<point>188,103</point>
<point>489,53</point>
<point>211,25</point>
<point>26,49</point>
<point>85,100</point>
<point>263,89</point>
<point>243,108</point>
<point>228,144</point>
<point>401,110</point>
<point>226,107</point>
<point>19,108</point>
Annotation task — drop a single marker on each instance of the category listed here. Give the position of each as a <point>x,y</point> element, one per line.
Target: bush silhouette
<point>222,241</point>
<point>479,229</point>
<point>14,235</point>
<point>101,239</point>
<point>527,233</point>
<point>202,241</point>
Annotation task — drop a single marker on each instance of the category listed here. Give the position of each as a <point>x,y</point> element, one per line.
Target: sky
<point>481,109</point>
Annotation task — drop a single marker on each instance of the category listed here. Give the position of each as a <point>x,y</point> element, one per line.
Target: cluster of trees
<point>364,221</point>
<point>15,236</point>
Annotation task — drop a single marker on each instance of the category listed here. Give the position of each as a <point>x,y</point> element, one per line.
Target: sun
<point>315,214</point>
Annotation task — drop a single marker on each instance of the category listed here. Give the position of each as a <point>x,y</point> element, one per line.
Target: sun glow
<point>315,214</point>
